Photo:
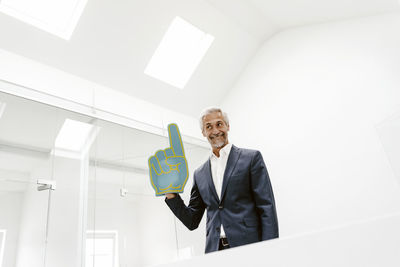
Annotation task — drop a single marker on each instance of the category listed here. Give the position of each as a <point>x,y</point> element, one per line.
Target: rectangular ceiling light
<point>179,53</point>
<point>73,135</point>
<point>58,17</point>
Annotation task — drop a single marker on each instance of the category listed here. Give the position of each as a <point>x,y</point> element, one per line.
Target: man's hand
<point>169,196</point>
<point>168,167</point>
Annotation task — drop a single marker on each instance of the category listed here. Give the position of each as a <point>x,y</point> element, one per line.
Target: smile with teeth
<point>220,135</point>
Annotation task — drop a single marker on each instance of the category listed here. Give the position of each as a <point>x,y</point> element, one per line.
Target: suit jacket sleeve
<point>264,198</point>
<point>189,215</point>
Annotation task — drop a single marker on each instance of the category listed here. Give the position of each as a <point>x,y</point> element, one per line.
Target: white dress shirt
<point>218,165</point>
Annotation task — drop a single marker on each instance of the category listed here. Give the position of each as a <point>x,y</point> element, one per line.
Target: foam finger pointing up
<point>175,139</point>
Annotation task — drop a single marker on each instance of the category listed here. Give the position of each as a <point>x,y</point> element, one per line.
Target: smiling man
<point>234,186</point>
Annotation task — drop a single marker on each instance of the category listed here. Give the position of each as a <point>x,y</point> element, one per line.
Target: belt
<point>224,242</point>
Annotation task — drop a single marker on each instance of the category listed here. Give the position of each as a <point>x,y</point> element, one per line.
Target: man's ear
<point>204,134</point>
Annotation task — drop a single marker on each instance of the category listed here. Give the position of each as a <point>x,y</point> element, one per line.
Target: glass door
<point>44,167</point>
<point>123,209</point>
<point>27,131</point>
<point>75,191</point>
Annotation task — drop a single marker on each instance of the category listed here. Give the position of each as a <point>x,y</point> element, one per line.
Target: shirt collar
<point>223,152</point>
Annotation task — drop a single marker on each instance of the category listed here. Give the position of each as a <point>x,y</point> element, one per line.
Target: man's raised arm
<point>189,215</point>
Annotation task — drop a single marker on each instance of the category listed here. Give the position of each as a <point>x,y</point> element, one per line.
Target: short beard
<point>218,145</point>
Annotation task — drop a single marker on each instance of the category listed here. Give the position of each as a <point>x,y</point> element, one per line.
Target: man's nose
<point>214,131</point>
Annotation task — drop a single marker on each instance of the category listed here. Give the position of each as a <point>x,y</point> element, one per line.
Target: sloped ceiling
<point>114,40</point>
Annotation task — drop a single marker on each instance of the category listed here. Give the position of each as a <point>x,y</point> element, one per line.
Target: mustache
<point>217,135</point>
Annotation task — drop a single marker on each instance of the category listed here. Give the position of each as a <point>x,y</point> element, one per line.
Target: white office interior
<point>314,85</point>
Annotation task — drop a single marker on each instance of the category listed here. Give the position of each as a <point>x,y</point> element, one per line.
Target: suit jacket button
<point>220,207</point>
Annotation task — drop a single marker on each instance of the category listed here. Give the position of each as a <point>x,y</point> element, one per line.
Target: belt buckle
<point>224,241</point>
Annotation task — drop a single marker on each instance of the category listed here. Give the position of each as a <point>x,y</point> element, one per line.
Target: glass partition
<point>122,205</point>
<point>41,185</point>
<point>75,191</point>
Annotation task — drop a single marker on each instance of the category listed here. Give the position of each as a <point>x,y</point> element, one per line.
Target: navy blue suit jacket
<point>247,206</point>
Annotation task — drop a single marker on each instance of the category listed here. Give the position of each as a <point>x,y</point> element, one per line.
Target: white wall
<point>310,101</point>
<point>389,132</point>
<point>31,243</point>
<point>12,187</point>
<point>65,224</point>
<point>145,224</point>
<point>109,211</point>
<point>10,215</point>
<point>63,229</point>
<point>370,243</point>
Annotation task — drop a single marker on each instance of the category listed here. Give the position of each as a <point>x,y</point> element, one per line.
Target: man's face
<point>215,129</point>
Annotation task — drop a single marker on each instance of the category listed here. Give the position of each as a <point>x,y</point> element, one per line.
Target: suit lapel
<point>210,180</point>
<point>230,166</point>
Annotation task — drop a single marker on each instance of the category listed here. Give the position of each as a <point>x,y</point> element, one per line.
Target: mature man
<point>234,187</point>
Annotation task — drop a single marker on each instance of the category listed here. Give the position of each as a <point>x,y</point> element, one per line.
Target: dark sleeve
<point>189,215</point>
<point>264,198</point>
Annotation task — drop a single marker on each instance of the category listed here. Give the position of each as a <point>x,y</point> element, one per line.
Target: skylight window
<point>58,17</point>
<point>179,53</point>
<point>74,138</point>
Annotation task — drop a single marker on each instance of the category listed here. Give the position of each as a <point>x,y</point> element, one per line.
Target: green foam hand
<point>168,168</point>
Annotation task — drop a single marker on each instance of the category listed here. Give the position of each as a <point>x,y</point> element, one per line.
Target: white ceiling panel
<point>114,41</point>
<point>289,13</point>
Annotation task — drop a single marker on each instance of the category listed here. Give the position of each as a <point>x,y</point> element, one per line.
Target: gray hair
<point>210,110</point>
